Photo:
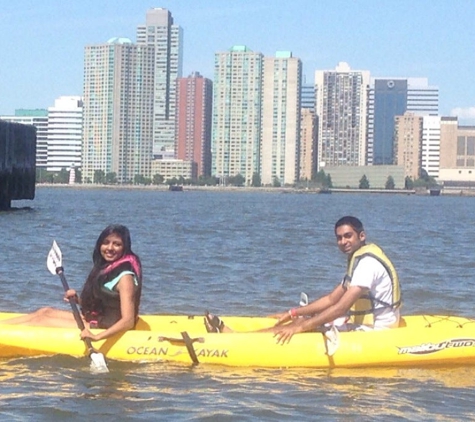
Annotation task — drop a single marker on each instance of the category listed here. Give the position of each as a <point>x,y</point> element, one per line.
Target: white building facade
<point>431,145</point>
<point>65,134</point>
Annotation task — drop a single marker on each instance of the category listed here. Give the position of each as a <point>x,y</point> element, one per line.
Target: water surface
<point>243,253</point>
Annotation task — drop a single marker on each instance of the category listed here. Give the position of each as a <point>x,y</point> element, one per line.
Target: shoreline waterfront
<point>247,189</point>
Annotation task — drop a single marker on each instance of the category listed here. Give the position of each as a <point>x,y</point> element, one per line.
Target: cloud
<point>464,113</point>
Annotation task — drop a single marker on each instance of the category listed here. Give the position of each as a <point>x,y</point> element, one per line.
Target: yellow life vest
<point>362,312</point>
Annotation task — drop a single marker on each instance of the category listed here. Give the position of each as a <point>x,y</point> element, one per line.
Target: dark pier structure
<point>17,162</point>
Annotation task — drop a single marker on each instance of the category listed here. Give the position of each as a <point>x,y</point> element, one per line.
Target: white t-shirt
<point>370,273</point>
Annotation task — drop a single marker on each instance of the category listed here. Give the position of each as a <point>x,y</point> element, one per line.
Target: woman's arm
<point>126,289</point>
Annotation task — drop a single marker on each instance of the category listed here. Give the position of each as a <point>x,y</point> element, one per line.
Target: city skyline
<point>43,44</point>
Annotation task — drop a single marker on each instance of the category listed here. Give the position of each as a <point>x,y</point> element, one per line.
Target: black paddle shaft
<point>74,307</point>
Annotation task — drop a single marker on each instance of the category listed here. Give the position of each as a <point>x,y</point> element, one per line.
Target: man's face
<point>348,240</point>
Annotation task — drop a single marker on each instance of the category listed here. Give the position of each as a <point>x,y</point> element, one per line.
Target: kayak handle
<point>180,341</point>
<point>187,341</point>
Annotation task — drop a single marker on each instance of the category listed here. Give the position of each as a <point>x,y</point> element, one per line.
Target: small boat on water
<point>175,188</point>
<point>421,340</point>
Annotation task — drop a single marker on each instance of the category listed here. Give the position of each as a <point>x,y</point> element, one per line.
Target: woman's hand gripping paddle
<point>54,264</point>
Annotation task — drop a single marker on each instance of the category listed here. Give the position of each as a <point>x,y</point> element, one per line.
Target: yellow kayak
<point>420,340</point>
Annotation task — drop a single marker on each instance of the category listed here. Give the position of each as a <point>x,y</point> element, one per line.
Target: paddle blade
<point>98,363</point>
<point>303,299</point>
<point>332,340</point>
<point>54,259</point>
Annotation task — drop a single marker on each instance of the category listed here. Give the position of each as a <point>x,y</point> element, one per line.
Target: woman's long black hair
<point>88,302</point>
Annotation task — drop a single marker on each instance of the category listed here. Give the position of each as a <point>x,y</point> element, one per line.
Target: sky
<point>42,43</point>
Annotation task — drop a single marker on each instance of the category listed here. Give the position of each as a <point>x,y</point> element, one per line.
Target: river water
<point>243,253</point>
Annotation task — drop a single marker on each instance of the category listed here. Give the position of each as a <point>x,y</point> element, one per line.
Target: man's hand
<point>285,333</point>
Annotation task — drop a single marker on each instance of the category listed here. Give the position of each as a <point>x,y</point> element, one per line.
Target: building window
<point>460,145</point>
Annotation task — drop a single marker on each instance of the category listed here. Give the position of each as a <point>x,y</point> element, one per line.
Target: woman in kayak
<point>110,297</point>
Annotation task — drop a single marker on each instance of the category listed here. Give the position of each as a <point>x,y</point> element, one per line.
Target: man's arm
<point>334,311</point>
<point>320,305</point>
<point>315,307</point>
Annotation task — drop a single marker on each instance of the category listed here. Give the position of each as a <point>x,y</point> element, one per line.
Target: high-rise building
<point>341,109</point>
<point>65,133</point>
<point>166,37</point>
<point>118,111</point>
<point>280,139</point>
<point>39,119</point>
<point>391,97</point>
<point>237,92</point>
<point>431,145</point>
<point>193,121</point>
<point>408,143</point>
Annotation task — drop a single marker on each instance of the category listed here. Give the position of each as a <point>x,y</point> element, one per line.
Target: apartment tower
<point>193,121</point>
<point>118,111</point>
<point>166,37</point>
<point>408,144</point>
<point>237,92</point>
<point>280,139</point>
<point>341,109</point>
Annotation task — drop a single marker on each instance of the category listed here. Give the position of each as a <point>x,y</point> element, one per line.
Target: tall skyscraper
<point>390,100</point>
<point>166,37</point>
<point>118,110</point>
<point>237,92</point>
<point>65,133</point>
<point>341,109</point>
<point>39,119</point>
<point>282,76</point>
<point>391,97</point>
<point>193,121</point>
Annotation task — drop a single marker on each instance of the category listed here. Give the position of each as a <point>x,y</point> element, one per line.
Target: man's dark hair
<point>348,220</point>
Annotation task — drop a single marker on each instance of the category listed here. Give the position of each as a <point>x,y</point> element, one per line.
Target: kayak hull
<point>420,341</point>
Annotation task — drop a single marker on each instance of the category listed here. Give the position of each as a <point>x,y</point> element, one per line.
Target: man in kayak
<point>110,297</point>
<point>368,297</point>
